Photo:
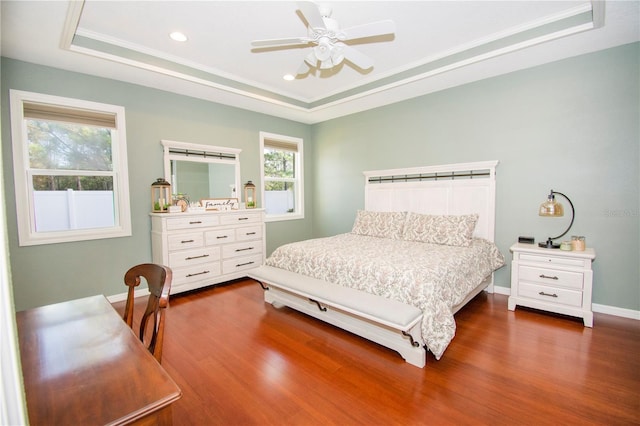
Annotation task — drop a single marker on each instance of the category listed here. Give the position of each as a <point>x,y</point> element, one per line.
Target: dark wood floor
<point>240,361</point>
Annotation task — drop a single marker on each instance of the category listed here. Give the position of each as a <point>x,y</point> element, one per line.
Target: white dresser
<point>552,280</point>
<point>208,248</point>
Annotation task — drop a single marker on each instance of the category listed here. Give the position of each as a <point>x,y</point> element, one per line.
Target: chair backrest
<point>158,279</point>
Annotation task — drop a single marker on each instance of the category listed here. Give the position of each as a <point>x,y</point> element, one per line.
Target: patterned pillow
<point>445,230</point>
<point>379,224</point>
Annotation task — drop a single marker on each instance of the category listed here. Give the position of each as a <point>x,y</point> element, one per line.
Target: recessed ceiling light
<point>289,77</point>
<point>178,36</point>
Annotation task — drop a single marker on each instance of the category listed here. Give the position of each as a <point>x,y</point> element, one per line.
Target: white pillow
<point>444,229</point>
<point>379,224</point>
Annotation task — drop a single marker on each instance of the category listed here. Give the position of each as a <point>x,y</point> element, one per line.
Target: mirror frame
<point>185,151</point>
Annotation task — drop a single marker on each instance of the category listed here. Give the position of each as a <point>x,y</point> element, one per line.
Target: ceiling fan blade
<point>311,14</point>
<point>368,30</point>
<point>280,42</point>
<point>304,68</point>
<point>355,57</point>
<point>311,59</point>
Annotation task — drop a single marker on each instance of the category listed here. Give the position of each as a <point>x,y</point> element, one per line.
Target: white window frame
<point>299,176</point>
<point>27,234</point>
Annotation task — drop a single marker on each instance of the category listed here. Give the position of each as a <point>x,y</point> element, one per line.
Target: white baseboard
<point>502,290</point>
<point>614,310</point>
<point>602,309</point>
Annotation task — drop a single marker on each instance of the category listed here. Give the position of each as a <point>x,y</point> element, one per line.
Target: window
<point>281,169</point>
<point>70,169</point>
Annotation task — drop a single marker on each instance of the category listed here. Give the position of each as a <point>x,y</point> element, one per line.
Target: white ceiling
<point>437,44</point>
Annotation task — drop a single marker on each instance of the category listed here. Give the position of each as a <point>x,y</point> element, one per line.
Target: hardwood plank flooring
<point>240,361</point>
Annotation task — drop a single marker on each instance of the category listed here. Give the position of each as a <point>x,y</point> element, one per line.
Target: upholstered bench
<point>388,322</point>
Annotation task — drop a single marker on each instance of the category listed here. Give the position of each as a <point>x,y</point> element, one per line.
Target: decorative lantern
<point>160,196</point>
<point>250,195</point>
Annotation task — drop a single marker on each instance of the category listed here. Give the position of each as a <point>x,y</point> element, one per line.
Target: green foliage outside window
<point>68,146</point>
<point>278,164</point>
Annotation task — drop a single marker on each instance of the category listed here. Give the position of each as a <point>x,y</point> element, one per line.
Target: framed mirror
<point>202,171</point>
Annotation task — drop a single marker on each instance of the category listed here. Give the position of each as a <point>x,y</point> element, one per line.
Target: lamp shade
<point>551,208</point>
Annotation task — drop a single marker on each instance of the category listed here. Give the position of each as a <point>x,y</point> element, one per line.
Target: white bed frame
<point>453,189</point>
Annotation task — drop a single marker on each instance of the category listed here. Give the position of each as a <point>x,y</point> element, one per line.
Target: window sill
<point>282,217</point>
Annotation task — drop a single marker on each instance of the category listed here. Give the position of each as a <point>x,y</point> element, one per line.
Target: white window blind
<point>49,112</point>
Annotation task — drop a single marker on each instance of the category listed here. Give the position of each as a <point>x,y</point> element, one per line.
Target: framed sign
<point>220,204</point>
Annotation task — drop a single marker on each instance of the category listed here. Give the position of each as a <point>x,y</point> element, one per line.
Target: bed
<point>424,239</point>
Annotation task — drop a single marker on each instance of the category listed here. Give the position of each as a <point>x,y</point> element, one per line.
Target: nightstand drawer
<point>551,260</point>
<point>550,294</point>
<point>551,277</point>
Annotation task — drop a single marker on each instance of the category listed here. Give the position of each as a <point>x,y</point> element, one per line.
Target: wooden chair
<point>158,279</point>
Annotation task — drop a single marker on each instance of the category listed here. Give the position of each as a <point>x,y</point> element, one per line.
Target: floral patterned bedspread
<point>431,277</point>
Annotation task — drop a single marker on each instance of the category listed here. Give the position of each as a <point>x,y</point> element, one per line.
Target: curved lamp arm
<point>549,242</point>
<point>573,215</point>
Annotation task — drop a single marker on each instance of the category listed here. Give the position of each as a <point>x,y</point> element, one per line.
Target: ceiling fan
<point>327,39</point>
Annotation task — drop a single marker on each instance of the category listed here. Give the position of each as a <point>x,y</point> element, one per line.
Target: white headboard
<point>452,189</point>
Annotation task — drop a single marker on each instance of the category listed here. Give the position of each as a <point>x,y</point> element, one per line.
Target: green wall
<point>52,273</point>
<point>572,126</point>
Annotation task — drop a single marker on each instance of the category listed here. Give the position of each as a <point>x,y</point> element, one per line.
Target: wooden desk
<point>82,365</point>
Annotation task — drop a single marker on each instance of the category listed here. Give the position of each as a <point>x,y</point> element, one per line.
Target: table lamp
<point>552,208</point>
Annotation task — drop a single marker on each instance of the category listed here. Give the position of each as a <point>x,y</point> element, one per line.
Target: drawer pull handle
<point>548,277</point>
<point>186,241</point>
<point>195,222</point>
<point>220,237</point>
<point>244,264</point>
<point>196,257</point>
<point>542,293</point>
<point>244,249</point>
<point>243,218</point>
<point>197,273</point>
<point>250,233</point>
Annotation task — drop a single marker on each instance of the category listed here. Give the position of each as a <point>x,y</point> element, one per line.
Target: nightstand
<point>552,280</point>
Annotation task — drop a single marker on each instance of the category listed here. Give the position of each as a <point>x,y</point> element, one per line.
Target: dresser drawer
<point>551,277</point>
<point>185,241</point>
<point>551,260</point>
<point>241,263</point>
<point>237,219</point>
<point>195,273</point>
<point>219,236</point>
<point>194,257</point>
<point>241,249</point>
<point>249,233</point>
<point>192,222</point>
<point>550,294</point>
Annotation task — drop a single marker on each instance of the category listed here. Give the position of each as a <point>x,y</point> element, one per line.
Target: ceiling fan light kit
<point>326,39</point>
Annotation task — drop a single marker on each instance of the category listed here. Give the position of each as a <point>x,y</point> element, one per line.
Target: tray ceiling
<point>437,44</point>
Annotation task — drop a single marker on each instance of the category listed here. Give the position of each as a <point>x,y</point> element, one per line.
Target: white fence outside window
<point>279,202</point>
<point>67,210</point>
